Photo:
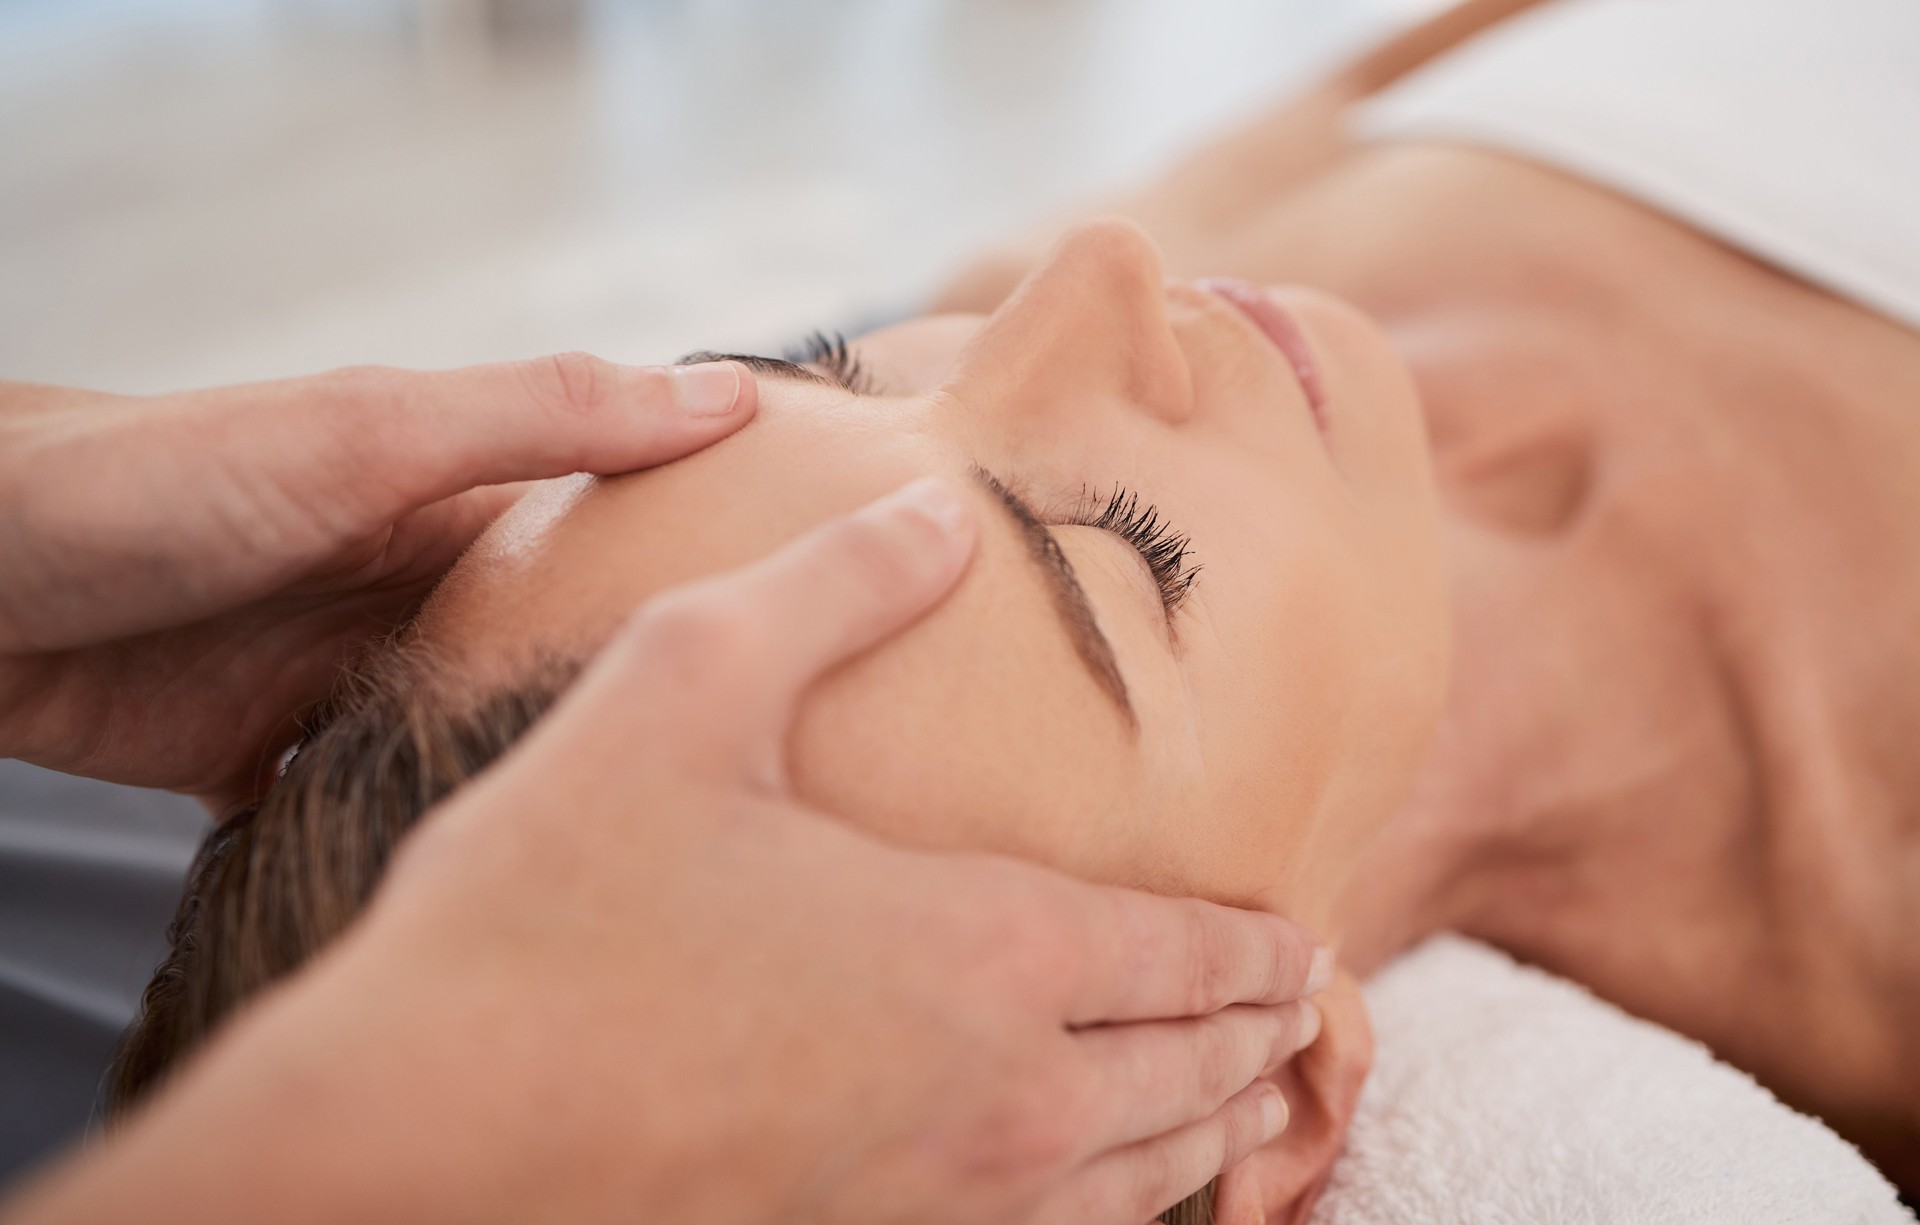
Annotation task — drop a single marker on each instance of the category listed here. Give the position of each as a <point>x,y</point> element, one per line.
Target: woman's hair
<point>274,883</point>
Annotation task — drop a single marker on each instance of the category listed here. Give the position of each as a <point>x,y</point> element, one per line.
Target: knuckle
<point>1033,1130</point>
<point>1154,1176</point>
<point>694,637</point>
<point>1044,956</point>
<point>1230,967</point>
<point>363,412</point>
<point>1227,1047</point>
<point>1039,949</point>
<point>1239,1131</point>
<point>873,556</point>
<point>1010,940</point>
<point>1208,956</point>
<point>378,387</point>
<point>574,382</point>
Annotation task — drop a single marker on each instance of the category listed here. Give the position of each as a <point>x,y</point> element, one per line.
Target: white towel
<point>1502,1094</point>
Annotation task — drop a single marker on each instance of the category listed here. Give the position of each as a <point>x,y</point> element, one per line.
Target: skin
<point>193,561</point>
<point>698,999</point>
<point>1316,623</point>
<point>181,575</point>
<point>1678,490</point>
<point>1277,716</point>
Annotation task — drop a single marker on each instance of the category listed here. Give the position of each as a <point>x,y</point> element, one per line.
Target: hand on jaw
<point>734,1009</point>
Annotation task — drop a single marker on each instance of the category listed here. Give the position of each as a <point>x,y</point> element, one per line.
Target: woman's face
<point>1239,736</point>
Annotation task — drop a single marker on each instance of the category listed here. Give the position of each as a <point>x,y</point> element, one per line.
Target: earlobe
<point>1278,1184</point>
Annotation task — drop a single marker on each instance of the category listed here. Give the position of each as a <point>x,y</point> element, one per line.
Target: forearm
<point>266,1124</point>
<point>322,1104</point>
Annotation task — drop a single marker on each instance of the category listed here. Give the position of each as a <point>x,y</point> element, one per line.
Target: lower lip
<point>1283,330</point>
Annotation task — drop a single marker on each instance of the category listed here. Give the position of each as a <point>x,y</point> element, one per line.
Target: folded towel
<point>1502,1094</point>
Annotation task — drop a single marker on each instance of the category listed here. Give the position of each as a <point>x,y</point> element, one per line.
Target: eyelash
<point>829,351</point>
<point>1164,548</point>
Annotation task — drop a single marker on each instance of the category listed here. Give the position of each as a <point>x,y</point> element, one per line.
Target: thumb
<point>137,514</point>
<point>704,679</point>
<point>372,444</point>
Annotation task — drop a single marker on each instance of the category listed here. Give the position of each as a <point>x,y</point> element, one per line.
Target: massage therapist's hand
<point>625,976</point>
<point>181,574</point>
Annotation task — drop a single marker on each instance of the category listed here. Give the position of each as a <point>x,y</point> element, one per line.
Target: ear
<point>1278,1184</point>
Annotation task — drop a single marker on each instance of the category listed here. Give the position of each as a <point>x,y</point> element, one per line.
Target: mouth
<point>1279,326</point>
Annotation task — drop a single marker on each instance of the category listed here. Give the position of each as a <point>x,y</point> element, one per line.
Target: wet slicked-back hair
<point>276,882</point>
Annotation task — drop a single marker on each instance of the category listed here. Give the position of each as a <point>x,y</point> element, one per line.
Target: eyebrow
<point>1069,598</point>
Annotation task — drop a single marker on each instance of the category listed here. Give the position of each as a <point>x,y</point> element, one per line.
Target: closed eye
<point>1166,550</point>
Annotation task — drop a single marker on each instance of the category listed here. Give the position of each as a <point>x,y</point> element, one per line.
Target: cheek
<point>1279,729</point>
<point>970,732</point>
<point>1315,690</point>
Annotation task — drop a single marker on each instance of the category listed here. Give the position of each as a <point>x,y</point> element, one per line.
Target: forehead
<point>566,564</point>
<point>558,572</point>
<point>974,728</point>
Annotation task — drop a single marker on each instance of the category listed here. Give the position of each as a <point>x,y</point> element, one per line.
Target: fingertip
<point>937,504</point>
<point>1273,1112</point>
<point>935,509</point>
<point>1319,971</point>
<point>659,414</point>
<point>714,390</point>
<point>1306,1030</point>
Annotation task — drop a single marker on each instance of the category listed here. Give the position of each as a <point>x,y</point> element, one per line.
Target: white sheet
<point>1790,128</point>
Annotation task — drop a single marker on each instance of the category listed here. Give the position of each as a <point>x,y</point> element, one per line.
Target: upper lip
<point>1279,326</point>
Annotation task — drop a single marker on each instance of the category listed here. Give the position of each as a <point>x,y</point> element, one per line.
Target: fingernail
<point>1273,1114</point>
<point>1309,1026</point>
<point>709,389</point>
<point>936,500</point>
<point>1320,973</point>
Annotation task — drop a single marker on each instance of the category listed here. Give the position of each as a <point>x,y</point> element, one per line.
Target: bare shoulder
<point>1218,186</point>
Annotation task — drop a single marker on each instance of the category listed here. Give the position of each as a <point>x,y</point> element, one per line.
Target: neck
<point>1419,877</point>
<point>1624,827</point>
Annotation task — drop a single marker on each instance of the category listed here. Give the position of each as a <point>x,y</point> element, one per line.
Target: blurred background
<point>196,191</point>
<point>204,191</point>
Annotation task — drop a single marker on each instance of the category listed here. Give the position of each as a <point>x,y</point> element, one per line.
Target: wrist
<point>340,1097</point>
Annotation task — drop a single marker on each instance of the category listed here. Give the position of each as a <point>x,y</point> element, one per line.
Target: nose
<point>1090,322</point>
